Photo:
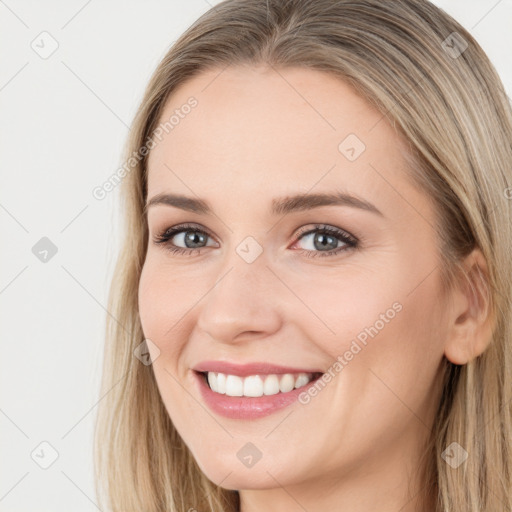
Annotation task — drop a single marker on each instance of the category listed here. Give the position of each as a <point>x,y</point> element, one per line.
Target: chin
<point>240,477</point>
<point>242,481</point>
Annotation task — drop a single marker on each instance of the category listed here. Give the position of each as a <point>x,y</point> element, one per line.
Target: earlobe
<point>471,320</point>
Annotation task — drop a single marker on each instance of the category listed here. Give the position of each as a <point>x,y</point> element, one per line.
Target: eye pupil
<point>323,241</point>
<point>192,237</point>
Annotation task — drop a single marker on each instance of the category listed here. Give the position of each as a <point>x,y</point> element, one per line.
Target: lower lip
<point>246,408</point>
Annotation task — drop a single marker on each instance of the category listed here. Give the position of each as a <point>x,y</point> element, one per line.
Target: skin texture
<point>255,135</point>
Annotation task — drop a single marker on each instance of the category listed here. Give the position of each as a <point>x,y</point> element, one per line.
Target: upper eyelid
<point>327,227</point>
<point>180,228</point>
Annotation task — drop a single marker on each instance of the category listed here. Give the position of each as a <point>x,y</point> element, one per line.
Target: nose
<point>244,301</point>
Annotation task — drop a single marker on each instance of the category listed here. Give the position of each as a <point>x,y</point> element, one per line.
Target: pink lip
<point>246,408</point>
<point>243,370</point>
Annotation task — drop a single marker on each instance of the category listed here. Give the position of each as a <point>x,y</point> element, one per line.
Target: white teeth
<point>302,380</point>
<point>212,380</point>
<point>253,386</point>
<point>221,383</point>
<point>234,385</point>
<point>271,385</point>
<point>256,385</point>
<point>287,383</point>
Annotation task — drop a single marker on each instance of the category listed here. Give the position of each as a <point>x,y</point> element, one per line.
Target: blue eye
<point>194,238</point>
<point>189,235</point>
<point>326,237</point>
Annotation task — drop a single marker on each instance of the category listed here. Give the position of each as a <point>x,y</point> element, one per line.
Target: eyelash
<point>351,242</point>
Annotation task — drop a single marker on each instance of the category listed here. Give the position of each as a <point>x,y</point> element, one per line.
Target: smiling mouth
<point>257,385</point>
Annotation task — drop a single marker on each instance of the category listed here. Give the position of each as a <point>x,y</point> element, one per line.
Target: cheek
<point>164,294</point>
<point>347,304</point>
<point>385,338</point>
<point>163,303</point>
<point>164,300</point>
<point>149,297</point>
<point>402,349</point>
<point>388,348</point>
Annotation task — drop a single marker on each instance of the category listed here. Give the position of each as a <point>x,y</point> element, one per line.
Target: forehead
<point>266,130</point>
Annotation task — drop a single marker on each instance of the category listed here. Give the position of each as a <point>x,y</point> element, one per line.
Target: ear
<point>471,320</point>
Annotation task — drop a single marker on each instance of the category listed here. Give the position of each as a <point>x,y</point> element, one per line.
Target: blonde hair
<point>449,105</point>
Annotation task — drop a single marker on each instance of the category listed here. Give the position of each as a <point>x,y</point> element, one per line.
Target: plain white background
<point>63,122</point>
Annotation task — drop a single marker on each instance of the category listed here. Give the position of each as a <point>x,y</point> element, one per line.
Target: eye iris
<point>322,241</point>
<point>192,237</point>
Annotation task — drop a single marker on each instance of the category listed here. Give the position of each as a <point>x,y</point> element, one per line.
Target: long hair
<point>432,81</point>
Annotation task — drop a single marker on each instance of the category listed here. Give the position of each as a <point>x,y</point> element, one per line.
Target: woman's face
<point>257,280</point>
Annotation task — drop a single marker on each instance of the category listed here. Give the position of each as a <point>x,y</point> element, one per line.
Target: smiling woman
<point>313,304</point>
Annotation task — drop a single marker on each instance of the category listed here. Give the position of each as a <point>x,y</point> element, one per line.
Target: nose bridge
<point>242,297</point>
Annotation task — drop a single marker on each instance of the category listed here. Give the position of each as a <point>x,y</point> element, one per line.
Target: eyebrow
<point>280,206</point>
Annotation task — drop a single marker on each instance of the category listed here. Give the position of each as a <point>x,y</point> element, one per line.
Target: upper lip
<point>243,370</point>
